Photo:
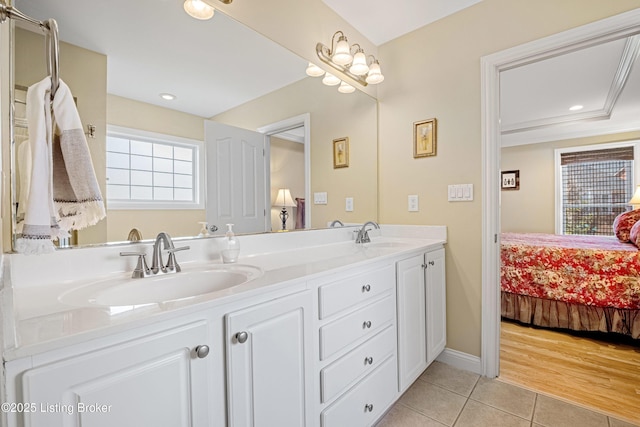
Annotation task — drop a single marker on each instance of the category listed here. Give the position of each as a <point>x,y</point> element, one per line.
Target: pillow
<point>634,234</point>
<point>623,223</point>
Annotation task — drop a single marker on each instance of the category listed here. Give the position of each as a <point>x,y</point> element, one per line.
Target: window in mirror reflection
<point>152,171</point>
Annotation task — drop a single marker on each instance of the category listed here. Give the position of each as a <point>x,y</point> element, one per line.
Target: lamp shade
<point>375,75</point>
<point>314,71</point>
<point>198,9</point>
<point>284,198</point>
<point>342,55</point>
<point>635,200</point>
<point>359,66</point>
<point>330,80</point>
<point>346,88</point>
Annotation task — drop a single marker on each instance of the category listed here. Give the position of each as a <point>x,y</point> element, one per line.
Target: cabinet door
<point>412,335</point>
<point>269,382</point>
<point>154,381</point>
<point>436,304</point>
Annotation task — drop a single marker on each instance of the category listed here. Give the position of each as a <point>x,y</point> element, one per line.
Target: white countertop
<point>35,320</point>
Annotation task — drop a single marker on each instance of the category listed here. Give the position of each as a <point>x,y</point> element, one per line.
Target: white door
<point>412,334</point>
<point>154,381</point>
<point>236,181</point>
<point>269,382</point>
<point>436,315</point>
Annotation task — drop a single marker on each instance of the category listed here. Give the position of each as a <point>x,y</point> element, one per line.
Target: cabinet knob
<point>368,360</point>
<point>432,263</point>
<point>202,351</point>
<point>366,324</point>
<point>368,407</point>
<point>366,288</point>
<point>424,265</point>
<point>241,337</point>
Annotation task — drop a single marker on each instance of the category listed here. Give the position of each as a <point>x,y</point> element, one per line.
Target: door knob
<point>202,351</point>
<point>241,337</point>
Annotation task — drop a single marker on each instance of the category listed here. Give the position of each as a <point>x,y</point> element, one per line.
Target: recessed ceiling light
<point>167,96</point>
<point>198,9</point>
<point>576,108</point>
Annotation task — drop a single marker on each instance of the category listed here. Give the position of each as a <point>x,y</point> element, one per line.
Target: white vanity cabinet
<point>269,377</point>
<point>163,379</point>
<point>357,346</point>
<point>421,295</point>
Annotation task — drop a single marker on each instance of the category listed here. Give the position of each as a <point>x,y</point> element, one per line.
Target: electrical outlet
<point>413,203</point>
<point>348,204</point>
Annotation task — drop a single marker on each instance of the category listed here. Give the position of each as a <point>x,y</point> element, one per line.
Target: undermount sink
<point>163,288</point>
<point>387,245</point>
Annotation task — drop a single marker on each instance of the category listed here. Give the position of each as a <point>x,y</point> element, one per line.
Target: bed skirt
<point>559,314</point>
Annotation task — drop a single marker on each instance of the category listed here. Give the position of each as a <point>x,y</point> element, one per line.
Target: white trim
<point>461,360</point>
<point>290,123</point>
<point>592,147</point>
<point>199,165</point>
<point>623,25</point>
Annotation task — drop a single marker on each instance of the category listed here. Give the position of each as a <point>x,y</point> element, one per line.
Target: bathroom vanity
<point>331,333</point>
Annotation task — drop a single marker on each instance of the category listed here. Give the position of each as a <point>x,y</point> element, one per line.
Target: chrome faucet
<point>172,266</point>
<point>335,222</point>
<point>363,234</point>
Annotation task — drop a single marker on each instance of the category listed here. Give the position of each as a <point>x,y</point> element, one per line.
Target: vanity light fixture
<point>576,108</point>
<point>357,66</point>
<point>198,9</point>
<point>167,96</point>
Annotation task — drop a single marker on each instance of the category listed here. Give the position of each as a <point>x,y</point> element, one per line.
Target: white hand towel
<point>40,223</point>
<point>61,170</point>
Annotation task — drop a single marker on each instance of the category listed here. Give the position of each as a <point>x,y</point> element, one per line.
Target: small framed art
<point>510,180</point>
<point>424,138</point>
<point>341,153</point>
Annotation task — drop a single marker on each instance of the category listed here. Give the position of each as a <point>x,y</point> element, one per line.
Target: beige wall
<point>139,115</point>
<point>333,115</point>
<point>532,207</point>
<point>85,72</point>
<point>287,171</point>
<point>435,72</point>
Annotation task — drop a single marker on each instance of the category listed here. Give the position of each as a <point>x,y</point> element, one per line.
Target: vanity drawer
<point>364,359</point>
<point>359,324</point>
<point>344,293</point>
<point>364,403</point>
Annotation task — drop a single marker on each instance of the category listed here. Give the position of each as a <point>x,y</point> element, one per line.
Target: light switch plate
<point>413,203</point>
<point>320,198</point>
<point>460,193</point>
<point>348,204</point>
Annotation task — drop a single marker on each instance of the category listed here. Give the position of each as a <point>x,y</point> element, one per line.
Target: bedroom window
<point>152,171</point>
<point>594,185</point>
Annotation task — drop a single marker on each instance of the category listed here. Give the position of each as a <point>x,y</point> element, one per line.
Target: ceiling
<point>211,65</point>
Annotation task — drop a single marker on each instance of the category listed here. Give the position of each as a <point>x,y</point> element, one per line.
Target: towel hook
<point>53,54</point>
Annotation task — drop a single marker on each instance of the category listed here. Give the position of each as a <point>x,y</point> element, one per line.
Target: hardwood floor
<point>601,373</point>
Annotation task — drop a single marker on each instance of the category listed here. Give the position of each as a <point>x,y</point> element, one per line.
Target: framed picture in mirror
<point>510,180</point>
<point>424,138</point>
<point>341,153</point>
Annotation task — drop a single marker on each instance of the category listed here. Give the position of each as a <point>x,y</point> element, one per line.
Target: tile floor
<point>446,396</point>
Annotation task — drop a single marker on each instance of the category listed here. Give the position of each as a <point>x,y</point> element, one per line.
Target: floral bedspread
<point>591,270</point>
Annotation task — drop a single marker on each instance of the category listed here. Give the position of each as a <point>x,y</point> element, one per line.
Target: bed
<point>583,283</point>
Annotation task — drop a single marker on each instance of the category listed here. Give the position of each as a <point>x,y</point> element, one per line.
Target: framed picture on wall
<point>424,138</point>
<point>510,180</point>
<point>341,153</point>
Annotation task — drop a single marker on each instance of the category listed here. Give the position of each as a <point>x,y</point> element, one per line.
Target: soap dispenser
<point>230,246</point>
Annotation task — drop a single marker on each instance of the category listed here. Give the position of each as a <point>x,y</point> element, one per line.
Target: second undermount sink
<point>163,288</point>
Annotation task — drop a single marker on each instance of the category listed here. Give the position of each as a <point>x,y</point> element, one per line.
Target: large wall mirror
<point>118,57</point>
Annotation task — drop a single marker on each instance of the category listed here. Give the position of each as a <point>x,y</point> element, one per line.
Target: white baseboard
<point>461,360</point>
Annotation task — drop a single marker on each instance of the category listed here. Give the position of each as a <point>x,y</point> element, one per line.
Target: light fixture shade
<point>635,200</point>
<point>359,66</point>
<point>342,54</point>
<point>375,75</point>
<point>284,198</point>
<point>330,80</point>
<point>198,9</point>
<point>346,88</point>
<point>313,70</point>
